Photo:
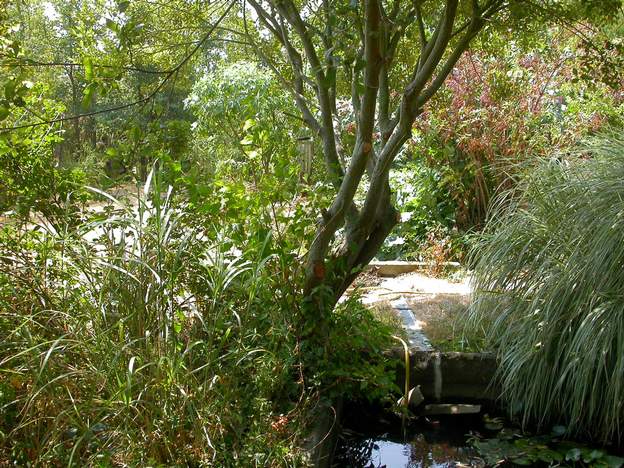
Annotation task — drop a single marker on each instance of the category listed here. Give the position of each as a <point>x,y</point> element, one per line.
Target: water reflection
<point>371,440</point>
<point>379,453</point>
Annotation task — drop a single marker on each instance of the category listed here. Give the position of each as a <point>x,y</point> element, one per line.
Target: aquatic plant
<point>513,447</point>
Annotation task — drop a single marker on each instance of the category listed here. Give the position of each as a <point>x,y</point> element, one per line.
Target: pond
<point>372,438</point>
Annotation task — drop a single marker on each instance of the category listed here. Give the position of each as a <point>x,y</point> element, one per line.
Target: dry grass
<point>443,320</point>
<point>385,313</point>
<point>439,314</point>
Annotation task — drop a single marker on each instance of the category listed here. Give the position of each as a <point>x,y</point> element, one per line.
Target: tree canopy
<point>359,73</point>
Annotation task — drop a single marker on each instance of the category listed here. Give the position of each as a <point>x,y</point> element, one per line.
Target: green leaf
<point>573,454</point>
<point>135,133</point>
<point>549,456</point>
<point>88,96</point>
<point>9,89</point>
<point>123,5</point>
<point>21,90</point>
<point>15,47</point>
<point>591,455</point>
<point>4,111</point>
<point>88,68</point>
<point>248,124</point>
<point>110,24</point>
<point>613,461</point>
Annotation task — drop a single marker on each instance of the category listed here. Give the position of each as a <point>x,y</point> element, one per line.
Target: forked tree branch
<point>296,88</point>
<point>380,32</point>
<point>414,98</point>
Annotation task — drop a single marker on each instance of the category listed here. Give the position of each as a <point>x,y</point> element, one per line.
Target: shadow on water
<point>372,438</point>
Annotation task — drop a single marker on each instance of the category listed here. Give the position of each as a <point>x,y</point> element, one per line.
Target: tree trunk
<point>383,117</point>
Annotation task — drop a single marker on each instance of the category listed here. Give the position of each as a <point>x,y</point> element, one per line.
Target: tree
<point>242,114</point>
<point>90,55</point>
<point>367,49</point>
<point>381,60</point>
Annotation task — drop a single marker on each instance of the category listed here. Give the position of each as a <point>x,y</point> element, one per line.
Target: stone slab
<point>395,268</point>
<point>438,408</point>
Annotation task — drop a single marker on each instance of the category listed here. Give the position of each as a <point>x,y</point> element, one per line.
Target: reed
<point>136,339</point>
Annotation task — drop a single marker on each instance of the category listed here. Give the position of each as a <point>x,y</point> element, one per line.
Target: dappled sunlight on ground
<point>429,308</point>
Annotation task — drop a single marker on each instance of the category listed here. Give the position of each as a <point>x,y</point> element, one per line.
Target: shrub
<point>165,333</point>
<point>244,123</point>
<point>549,290</point>
<point>492,116</point>
<point>30,180</point>
<point>135,339</point>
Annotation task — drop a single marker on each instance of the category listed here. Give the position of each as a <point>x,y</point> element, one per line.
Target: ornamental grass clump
<point>157,332</point>
<point>549,290</point>
<point>137,339</point>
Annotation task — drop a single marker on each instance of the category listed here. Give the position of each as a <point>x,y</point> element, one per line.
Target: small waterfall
<point>437,376</point>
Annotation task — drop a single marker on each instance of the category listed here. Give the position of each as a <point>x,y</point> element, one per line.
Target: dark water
<point>373,439</point>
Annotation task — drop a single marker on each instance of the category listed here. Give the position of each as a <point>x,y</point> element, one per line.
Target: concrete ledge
<point>451,376</point>
<point>395,268</point>
<point>437,409</point>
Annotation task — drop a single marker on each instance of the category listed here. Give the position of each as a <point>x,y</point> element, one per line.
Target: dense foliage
<point>145,335</point>
<point>171,260</point>
<point>496,115</point>
<point>241,112</point>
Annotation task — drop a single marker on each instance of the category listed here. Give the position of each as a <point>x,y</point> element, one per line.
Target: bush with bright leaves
<point>494,115</point>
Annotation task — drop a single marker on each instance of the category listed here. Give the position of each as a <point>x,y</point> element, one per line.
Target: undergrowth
<point>142,335</point>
